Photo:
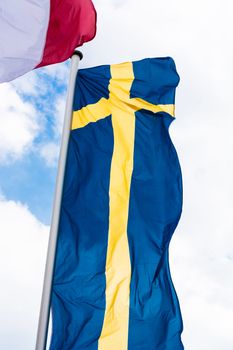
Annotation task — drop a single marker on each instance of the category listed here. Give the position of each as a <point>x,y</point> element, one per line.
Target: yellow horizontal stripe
<point>114,335</point>
<point>90,113</point>
<point>138,103</point>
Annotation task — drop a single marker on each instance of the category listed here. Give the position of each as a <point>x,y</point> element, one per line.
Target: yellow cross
<point>122,108</point>
<point>119,99</point>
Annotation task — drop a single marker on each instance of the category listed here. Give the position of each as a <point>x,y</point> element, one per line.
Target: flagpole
<point>42,331</point>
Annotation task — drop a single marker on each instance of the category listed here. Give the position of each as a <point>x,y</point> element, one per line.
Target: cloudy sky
<point>197,34</point>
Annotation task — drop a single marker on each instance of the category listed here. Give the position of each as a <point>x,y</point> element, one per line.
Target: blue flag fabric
<point>122,200</point>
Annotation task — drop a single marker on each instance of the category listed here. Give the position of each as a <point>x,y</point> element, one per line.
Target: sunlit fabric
<point>36,33</point>
<point>122,200</point>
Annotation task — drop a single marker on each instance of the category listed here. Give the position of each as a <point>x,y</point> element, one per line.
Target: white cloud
<point>23,244</point>
<point>28,83</point>
<point>204,289</point>
<point>50,152</point>
<point>59,115</point>
<point>59,72</point>
<point>39,81</point>
<point>202,249</point>
<point>19,124</point>
<point>28,106</point>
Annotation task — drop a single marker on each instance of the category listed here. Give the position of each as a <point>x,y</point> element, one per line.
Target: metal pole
<point>42,331</point>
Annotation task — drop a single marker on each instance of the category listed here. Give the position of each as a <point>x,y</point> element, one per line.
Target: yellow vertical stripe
<point>114,335</point>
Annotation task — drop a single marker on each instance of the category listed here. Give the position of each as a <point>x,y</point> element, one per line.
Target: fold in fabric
<point>35,33</point>
<point>122,200</point>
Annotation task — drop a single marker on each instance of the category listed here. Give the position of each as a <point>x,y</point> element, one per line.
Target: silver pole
<point>42,331</point>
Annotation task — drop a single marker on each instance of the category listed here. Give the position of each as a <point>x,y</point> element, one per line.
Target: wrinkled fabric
<point>35,33</point>
<point>71,23</point>
<point>81,285</point>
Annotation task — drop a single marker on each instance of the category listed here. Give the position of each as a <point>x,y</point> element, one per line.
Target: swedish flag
<point>122,200</point>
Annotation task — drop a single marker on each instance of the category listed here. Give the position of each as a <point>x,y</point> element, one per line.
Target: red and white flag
<point>35,33</point>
